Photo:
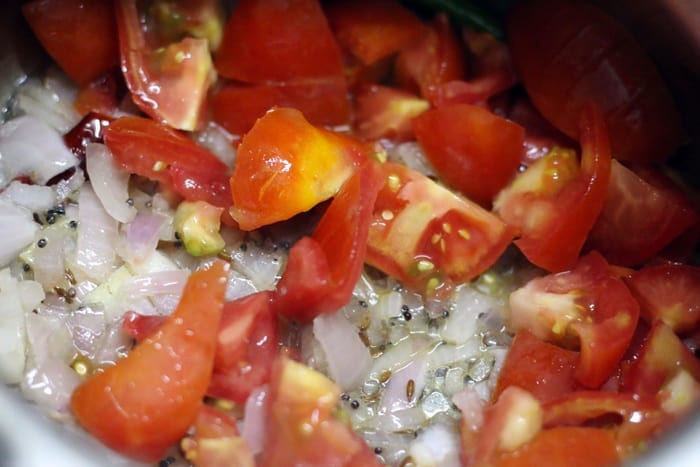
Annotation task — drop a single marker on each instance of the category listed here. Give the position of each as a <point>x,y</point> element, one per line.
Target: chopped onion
<point>412,156</point>
<point>253,426</point>
<point>49,380</point>
<point>48,264</point>
<point>31,148</point>
<point>111,184</point>
<point>399,355</point>
<point>436,446</point>
<point>347,356</point>
<point>97,237</point>
<point>53,108</point>
<point>142,235</point>
<point>14,302</point>
<point>36,198</point>
<point>460,325</point>
<point>18,230</point>
<point>219,141</point>
<point>260,265</point>
<point>87,326</point>
<point>404,386</point>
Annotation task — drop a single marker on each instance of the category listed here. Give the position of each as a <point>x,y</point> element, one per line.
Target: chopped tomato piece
<point>543,369</point>
<point>323,102</point>
<point>385,112</point>
<point>564,447</point>
<point>472,149</point>
<point>245,347</point>
<point>554,203</point>
<point>661,357</point>
<point>428,237</point>
<point>80,35</point>
<point>372,30</point>
<point>168,80</point>
<point>490,73</point>
<point>278,41</point>
<point>286,166</point>
<point>668,293</point>
<point>145,403</point>
<point>568,53</point>
<point>322,270</point>
<point>90,129</point>
<point>587,308</point>
<point>302,427</point>
<point>216,442</point>
<point>150,149</point>
<point>635,419</point>
<point>643,212</point>
<point>438,57</point>
<point>100,95</point>
<point>141,326</point>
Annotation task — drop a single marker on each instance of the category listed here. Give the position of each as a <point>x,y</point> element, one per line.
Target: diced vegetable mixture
<point>348,233</point>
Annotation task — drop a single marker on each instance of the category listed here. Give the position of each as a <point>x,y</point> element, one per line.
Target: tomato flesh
<point>146,402</point>
<point>554,204</point>
<point>428,237</point>
<point>80,35</point>
<point>569,53</point>
<point>588,305</point>
<point>473,150</point>
<point>286,166</point>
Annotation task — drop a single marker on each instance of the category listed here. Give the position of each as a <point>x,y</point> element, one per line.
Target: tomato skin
<point>246,347</point>
<point>150,149</point>
<point>141,326</point>
<point>323,102</point>
<point>565,217</point>
<point>100,95</point>
<point>564,447</point>
<point>322,270</point>
<point>286,166</point>
<point>437,58</point>
<point>669,293</point>
<point>543,369</point>
<point>80,35</point>
<point>570,52</point>
<point>90,129</point>
<point>428,237</point>
<point>145,403</point>
<point>301,426</point>
<point>168,82</point>
<point>278,42</point>
<point>661,356</point>
<point>472,149</point>
<point>385,112</point>
<point>643,201</point>
<point>373,30</point>
<point>587,304</point>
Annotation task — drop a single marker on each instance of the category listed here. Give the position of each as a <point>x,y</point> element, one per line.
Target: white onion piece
<point>49,380</point>
<point>61,85</point>
<point>18,230</point>
<point>436,446</point>
<point>48,265</point>
<point>260,265</point>
<point>111,184</point>
<point>448,354</point>
<point>87,326</point>
<point>460,325</point>
<point>253,426</point>
<point>14,302</point>
<point>396,394</point>
<point>53,108</point>
<point>347,356</point>
<point>156,283</point>
<point>97,237</point>
<point>65,188</point>
<point>238,286</point>
<point>409,419</point>
<point>29,147</point>
<point>142,235</point>
<point>400,354</point>
<point>219,141</point>
<point>33,197</point>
